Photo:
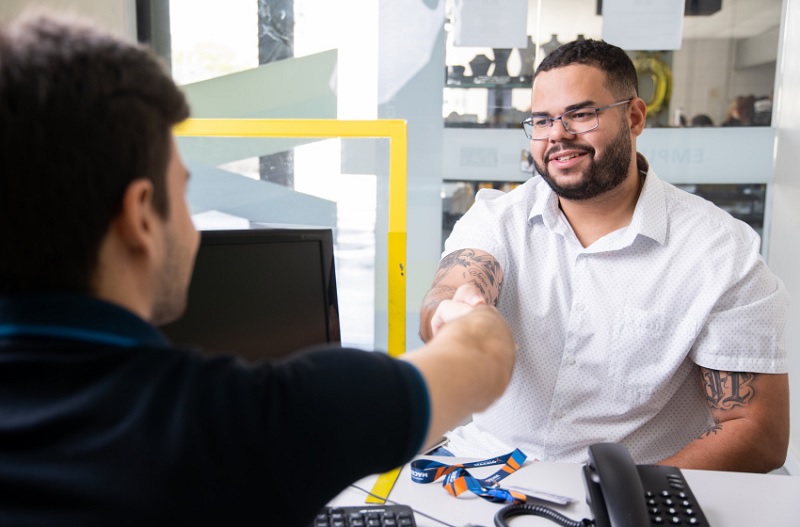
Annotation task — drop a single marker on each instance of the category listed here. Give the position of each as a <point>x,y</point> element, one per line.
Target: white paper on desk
<point>490,23</point>
<point>643,24</point>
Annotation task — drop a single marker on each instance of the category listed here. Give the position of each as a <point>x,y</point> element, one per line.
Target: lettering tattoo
<point>481,270</point>
<point>726,390</point>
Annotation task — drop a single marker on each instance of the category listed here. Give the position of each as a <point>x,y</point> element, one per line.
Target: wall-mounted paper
<point>490,23</point>
<point>643,24</point>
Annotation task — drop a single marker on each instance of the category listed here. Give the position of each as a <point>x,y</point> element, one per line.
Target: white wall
<point>118,16</point>
<point>784,253</point>
<point>705,79</point>
<point>701,71</point>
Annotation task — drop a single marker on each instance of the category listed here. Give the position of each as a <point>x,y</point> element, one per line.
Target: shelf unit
<point>486,101</point>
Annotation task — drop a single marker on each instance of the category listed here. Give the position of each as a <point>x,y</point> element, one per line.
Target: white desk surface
<point>728,499</point>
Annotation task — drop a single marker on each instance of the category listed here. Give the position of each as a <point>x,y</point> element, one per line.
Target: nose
<point>558,132</point>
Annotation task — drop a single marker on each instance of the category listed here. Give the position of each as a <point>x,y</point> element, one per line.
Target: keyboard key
<point>366,516</point>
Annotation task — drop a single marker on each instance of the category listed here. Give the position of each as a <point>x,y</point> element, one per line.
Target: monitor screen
<point>260,293</point>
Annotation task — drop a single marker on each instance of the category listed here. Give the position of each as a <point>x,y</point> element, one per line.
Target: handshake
<point>468,362</point>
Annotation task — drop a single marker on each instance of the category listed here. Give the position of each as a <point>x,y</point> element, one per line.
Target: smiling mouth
<point>567,157</point>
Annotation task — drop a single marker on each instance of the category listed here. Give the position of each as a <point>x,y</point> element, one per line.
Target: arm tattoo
<point>481,270</point>
<point>728,390</point>
<point>713,430</point>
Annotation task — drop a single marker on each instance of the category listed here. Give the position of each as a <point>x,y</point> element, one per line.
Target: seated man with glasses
<point>643,314</point>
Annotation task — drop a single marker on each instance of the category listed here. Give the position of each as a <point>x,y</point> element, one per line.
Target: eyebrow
<point>582,104</point>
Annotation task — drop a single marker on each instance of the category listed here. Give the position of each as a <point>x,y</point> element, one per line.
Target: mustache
<point>559,148</point>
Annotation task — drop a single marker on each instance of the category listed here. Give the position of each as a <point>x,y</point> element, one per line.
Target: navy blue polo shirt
<point>102,422</point>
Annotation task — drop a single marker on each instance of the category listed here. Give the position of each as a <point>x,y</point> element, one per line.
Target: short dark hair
<point>621,77</point>
<point>83,113</point>
<point>702,119</point>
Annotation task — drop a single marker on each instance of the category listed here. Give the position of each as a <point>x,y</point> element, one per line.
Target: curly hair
<point>621,77</point>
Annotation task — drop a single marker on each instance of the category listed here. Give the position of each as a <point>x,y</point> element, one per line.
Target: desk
<point>729,499</point>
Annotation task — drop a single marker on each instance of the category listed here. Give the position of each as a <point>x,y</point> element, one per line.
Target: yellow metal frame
<point>397,132</point>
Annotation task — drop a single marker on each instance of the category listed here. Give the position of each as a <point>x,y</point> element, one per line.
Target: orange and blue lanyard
<point>458,480</point>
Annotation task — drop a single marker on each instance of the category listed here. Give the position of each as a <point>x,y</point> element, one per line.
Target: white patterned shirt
<point>610,336</point>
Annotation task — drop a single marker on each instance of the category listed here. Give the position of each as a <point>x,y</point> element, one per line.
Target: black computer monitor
<point>261,293</point>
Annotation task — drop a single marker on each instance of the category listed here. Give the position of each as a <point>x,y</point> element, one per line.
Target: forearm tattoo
<point>713,430</point>
<point>726,390</point>
<point>481,270</point>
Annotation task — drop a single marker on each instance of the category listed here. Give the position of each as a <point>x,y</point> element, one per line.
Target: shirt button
<point>571,361</point>
<point>579,307</point>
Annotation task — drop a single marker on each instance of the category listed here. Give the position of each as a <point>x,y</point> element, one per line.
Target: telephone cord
<point>519,509</point>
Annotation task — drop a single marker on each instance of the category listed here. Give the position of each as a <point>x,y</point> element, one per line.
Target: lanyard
<point>458,480</point>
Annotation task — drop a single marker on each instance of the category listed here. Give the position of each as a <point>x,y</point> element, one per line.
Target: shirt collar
<point>649,216</point>
<point>75,317</point>
<point>545,204</point>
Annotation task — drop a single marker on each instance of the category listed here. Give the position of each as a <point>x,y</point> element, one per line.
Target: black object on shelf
<point>480,65</point>
<point>501,56</point>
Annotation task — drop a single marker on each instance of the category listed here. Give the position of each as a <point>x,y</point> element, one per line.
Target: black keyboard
<point>366,516</point>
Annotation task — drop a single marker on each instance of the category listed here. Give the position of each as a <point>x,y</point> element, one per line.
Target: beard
<point>173,284</point>
<point>603,174</point>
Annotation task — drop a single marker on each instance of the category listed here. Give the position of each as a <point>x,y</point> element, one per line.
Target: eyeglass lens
<point>574,121</point>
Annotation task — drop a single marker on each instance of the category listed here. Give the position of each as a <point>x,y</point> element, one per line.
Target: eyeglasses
<point>575,121</point>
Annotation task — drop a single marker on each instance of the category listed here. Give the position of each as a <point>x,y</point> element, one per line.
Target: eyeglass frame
<point>552,120</point>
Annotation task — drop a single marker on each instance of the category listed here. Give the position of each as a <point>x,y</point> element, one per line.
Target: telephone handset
<point>621,493</point>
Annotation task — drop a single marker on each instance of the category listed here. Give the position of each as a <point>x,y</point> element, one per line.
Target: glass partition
<point>323,70</point>
<point>233,194</point>
<point>351,203</point>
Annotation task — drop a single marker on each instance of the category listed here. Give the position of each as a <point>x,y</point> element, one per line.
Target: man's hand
<point>468,364</point>
<point>464,300</point>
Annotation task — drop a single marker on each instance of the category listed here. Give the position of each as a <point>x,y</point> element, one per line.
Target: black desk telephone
<point>623,494</point>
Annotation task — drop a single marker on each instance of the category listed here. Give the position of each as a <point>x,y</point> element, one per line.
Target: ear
<point>637,115</point>
<point>137,220</point>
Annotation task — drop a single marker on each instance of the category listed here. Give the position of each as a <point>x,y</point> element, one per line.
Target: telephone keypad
<point>669,499</point>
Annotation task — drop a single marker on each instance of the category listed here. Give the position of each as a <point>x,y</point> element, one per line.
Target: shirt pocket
<point>647,350</point>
